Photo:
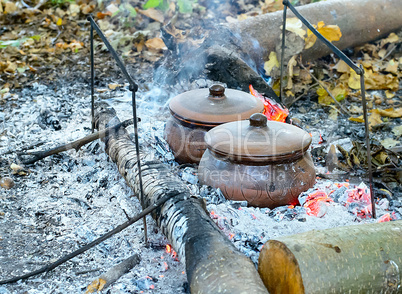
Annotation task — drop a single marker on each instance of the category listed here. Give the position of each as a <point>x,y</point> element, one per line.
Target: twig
<point>345,111</point>
<point>106,236</point>
<point>38,155</point>
<point>113,274</point>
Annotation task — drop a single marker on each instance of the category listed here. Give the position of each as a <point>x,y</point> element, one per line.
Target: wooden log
<point>213,264</point>
<point>360,22</point>
<point>353,259</point>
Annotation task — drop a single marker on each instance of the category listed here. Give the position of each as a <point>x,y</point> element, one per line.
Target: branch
<point>38,155</point>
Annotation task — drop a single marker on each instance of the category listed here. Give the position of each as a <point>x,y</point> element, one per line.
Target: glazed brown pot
<point>264,163</point>
<point>195,112</point>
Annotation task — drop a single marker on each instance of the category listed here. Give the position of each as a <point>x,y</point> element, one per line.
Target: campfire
<point>200,224</point>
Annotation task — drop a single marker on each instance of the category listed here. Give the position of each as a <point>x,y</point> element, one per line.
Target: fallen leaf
<point>339,92</point>
<point>330,32</point>
<point>112,8</point>
<point>392,38</point>
<point>96,286</point>
<point>342,67</point>
<point>389,94</point>
<point>294,25</point>
<point>59,22</point>
<point>153,13</point>
<point>374,119</point>
<point>390,112</point>
<point>292,62</point>
<point>10,7</point>
<point>359,119</point>
<point>392,67</point>
<point>155,44</point>
<point>333,114</point>
<point>356,109</point>
<point>114,86</point>
<point>73,9</point>
<point>397,130</point>
<point>271,63</point>
<point>101,15</point>
<point>389,143</point>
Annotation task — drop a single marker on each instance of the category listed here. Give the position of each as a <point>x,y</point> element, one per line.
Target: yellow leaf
<point>114,86</point>
<point>392,67</point>
<point>354,80</point>
<point>359,119</point>
<point>390,112</point>
<point>294,25</point>
<point>392,38</point>
<point>342,67</point>
<point>96,286</point>
<point>378,81</point>
<point>271,63</point>
<point>389,94</point>
<point>155,44</point>
<point>59,22</point>
<point>374,119</point>
<point>330,32</point>
<point>292,62</point>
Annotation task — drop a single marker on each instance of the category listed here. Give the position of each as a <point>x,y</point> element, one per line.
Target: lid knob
<point>258,120</point>
<point>216,91</point>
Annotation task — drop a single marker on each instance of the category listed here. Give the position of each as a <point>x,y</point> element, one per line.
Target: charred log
<point>353,259</point>
<point>213,264</point>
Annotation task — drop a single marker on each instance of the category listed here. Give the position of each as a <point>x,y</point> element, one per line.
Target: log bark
<point>354,259</point>
<point>360,22</point>
<point>213,264</point>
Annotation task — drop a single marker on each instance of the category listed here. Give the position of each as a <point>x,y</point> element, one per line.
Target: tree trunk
<point>354,259</point>
<point>213,264</point>
<point>360,22</point>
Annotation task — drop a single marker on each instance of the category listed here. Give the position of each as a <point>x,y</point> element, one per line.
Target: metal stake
<point>283,48</point>
<point>133,88</point>
<point>92,81</point>
<point>366,126</point>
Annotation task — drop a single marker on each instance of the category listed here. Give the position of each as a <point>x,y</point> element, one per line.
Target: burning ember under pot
<point>265,163</point>
<point>195,112</point>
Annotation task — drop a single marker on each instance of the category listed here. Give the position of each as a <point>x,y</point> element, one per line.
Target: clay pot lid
<point>258,140</point>
<point>214,106</point>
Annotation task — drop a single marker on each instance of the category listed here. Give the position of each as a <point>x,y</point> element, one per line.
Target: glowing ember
<point>387,217</point>
<point>314,202</point>
<point>272,109</point>
<point>170,251</point>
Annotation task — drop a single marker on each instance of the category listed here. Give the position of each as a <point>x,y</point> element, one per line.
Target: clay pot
<point>265,163</point>
<point>195,112</point>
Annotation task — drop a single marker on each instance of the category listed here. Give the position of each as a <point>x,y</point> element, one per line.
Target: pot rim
<point>260,160</point>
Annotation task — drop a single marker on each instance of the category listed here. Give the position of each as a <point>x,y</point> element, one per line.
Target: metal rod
<point>92,81</point>
<point>137,150</point>
<point>116,57</point>
<point>334,49</point>
<point>283,49</point>
<point>366,126</point>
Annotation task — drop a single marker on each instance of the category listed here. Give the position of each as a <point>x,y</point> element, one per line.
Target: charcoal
<point>338,193</point>
<point>48,118</point>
